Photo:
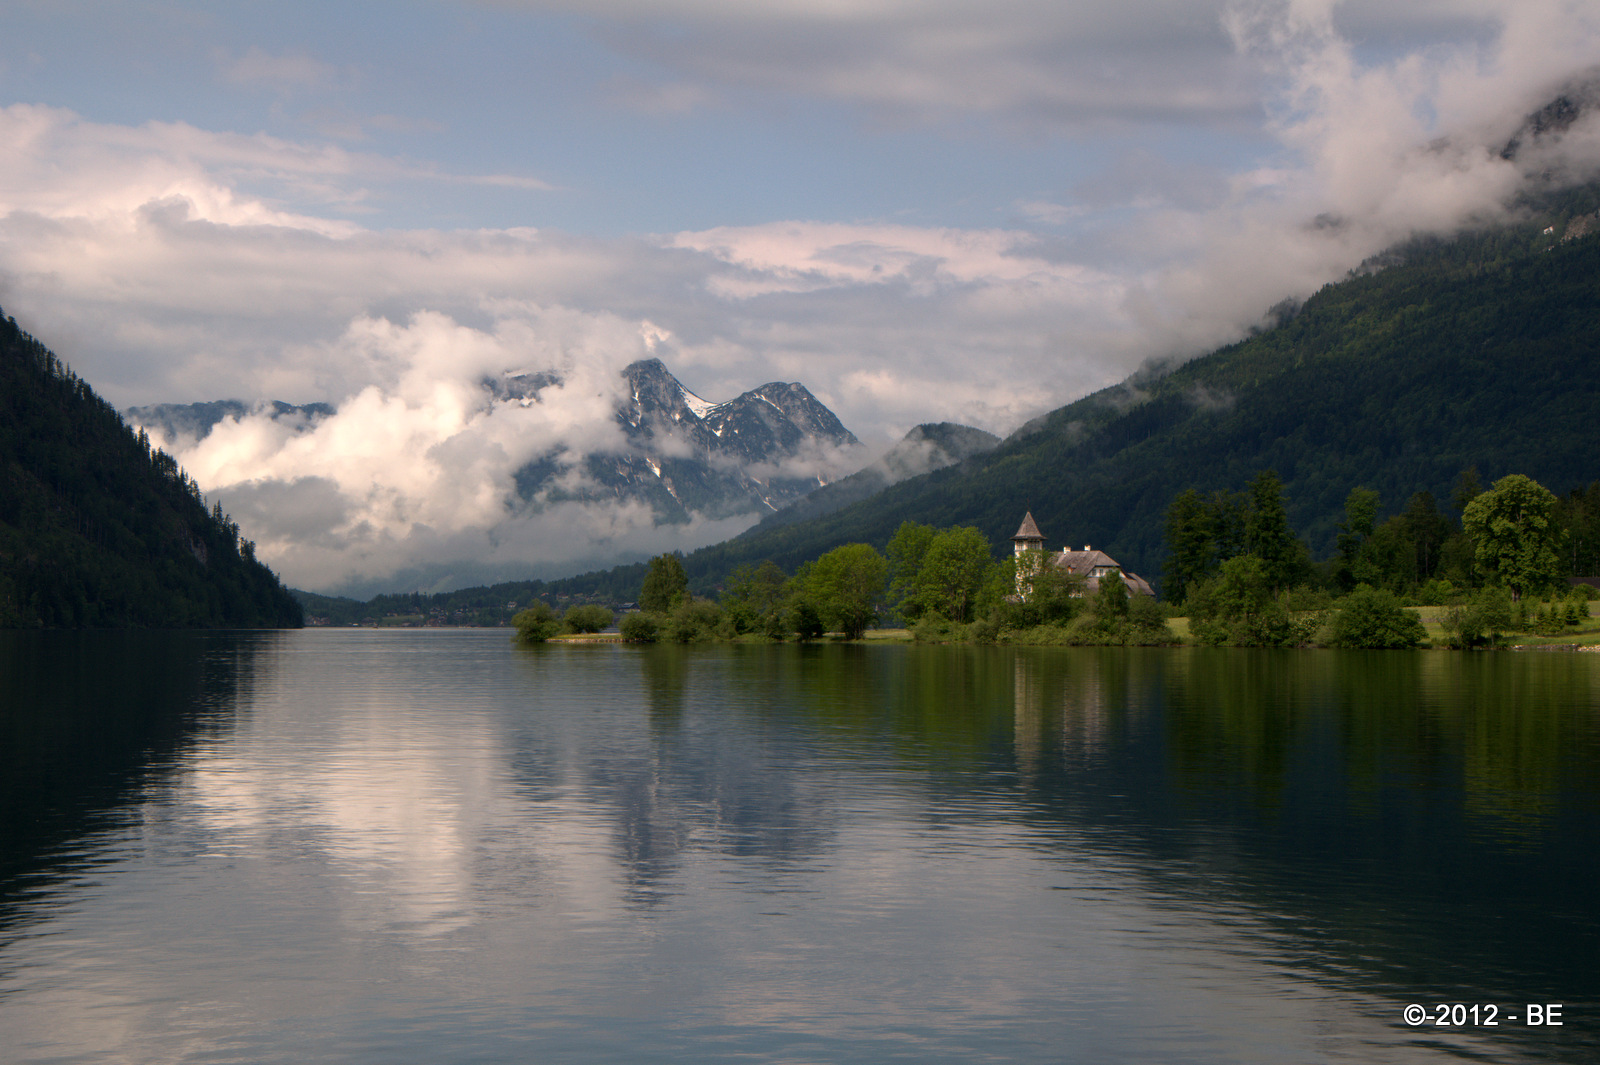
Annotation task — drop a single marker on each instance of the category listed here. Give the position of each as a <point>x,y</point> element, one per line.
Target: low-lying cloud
<point>172,264</point>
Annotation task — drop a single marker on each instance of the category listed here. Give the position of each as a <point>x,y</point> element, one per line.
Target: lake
<point>434,846</point>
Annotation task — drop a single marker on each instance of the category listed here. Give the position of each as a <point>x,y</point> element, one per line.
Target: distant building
<point>1092,565</point>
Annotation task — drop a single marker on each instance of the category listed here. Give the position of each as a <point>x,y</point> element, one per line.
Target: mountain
<point>682,455</point>
<point>195,420</point>
<point>97,529</point>
<point>1482,351</point>
<point>685,455</point>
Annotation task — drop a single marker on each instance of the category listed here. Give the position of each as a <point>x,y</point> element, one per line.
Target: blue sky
<point>630,136</point>
<point>930,210</point>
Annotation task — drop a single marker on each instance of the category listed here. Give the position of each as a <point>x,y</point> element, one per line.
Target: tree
<point>1191,544</point>
<point>754,598</point>
<point>1027,591</point>
<point>664,585</point>
<point>804,620</point>
<point>1481,621</point>
<point>1517,542</point>
<point>1468,487</point>
<point>846,585</point>
<point>1111,600</point>
<point>1579,516</point>
<point>536,624</point>
<point>1267,533</point>
<point>639,627</point>
<point>955,565</point>
<point>1426,530</point>
<point>692,621</point>
<point>906,550</point>
<point>1360,521</point>
<point>1238,606</point>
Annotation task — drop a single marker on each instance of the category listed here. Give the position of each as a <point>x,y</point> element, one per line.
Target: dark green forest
<point>100,530</point>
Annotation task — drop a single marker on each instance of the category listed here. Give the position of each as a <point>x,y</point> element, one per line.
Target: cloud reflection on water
<point>412,843</point>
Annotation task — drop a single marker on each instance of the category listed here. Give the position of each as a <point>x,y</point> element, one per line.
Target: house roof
<point>1085,562</point>
<point>1029,529</point>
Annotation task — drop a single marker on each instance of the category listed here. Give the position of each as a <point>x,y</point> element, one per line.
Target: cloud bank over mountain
<point>168,262</point>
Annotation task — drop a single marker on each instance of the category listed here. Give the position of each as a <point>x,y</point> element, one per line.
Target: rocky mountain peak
<point>1556,117</point>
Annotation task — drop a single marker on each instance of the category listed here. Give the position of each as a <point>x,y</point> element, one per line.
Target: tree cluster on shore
<point>1243,579</point>
<point>1236,571</point>
<point>943,584</point>
<point>540,622</point>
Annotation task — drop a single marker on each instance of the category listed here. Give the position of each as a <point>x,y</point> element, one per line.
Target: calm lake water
<point>433,846</point>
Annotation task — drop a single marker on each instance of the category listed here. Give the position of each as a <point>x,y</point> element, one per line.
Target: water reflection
<point>1403,822</point>
<point>89,718</point>
<point>703,783</point>
<point>437,845</point>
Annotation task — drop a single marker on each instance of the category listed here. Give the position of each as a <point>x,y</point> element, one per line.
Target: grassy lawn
<point>1585,634</point>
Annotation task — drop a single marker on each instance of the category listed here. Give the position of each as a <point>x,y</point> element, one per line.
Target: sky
<point>923,211</point>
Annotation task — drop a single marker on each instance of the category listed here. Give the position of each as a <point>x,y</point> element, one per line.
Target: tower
<point>1028,549</point>
<point>1028,537</point>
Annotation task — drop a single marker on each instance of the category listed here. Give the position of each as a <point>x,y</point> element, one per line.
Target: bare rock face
<point>1555,118</point>
<point>1583,225</point>
<point>686,455</point>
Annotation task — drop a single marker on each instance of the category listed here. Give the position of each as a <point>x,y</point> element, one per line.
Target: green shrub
<point>1437,592</point>
<point>640,627</point>
<point>984,630</point>
<point>536,624</point>
<point>588,618</point>
<point>1305,597</point>
<point>1145,613</point>
<point>693,621</point>
<point>1481,621</point>
<point>1373,618</point>
<point>805,621</point>
<point>932,628</point>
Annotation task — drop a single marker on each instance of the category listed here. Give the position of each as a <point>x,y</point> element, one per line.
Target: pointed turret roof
<point>1029,530</point>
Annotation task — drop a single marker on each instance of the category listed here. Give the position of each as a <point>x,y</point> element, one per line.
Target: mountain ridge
<point>100,530</point>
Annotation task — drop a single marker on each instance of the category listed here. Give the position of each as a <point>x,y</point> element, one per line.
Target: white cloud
<point>169,263</point>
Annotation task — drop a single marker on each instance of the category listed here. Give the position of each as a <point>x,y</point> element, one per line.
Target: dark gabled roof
<point>1086,561</point>
<point>1029,530</point>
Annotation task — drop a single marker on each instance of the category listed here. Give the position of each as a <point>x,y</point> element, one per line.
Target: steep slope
<point>97,529</point>
<point>930,446</point>
<point>1480,351</point>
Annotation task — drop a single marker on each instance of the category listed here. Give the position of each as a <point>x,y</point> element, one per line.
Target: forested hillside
<point>97,529</point>
<point>1475,352</point>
